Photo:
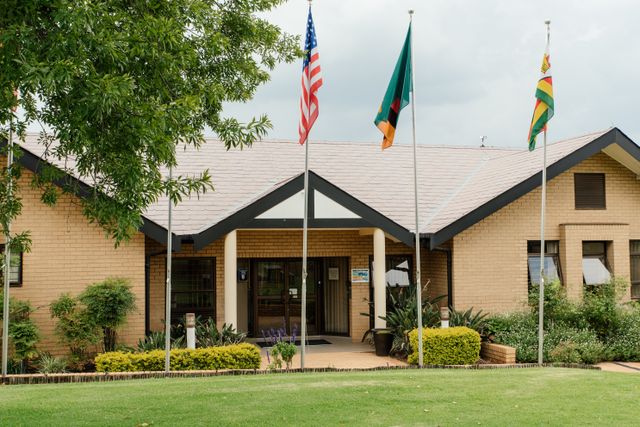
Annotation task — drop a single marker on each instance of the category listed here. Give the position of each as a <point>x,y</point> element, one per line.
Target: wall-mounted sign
<point>359,275</point>
<point>334,273</point>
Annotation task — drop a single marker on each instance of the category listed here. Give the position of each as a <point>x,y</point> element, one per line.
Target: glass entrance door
<point>278,295</point>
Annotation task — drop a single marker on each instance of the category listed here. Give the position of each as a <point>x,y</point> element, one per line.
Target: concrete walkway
<point>340,354</point>
<point>627,367</point>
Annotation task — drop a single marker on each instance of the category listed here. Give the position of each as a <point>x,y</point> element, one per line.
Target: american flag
<point>311,82</point>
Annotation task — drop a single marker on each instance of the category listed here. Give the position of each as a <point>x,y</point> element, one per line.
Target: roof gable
<point>330,207</point>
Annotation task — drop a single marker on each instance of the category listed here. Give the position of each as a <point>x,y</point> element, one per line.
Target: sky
<point>476,67</point>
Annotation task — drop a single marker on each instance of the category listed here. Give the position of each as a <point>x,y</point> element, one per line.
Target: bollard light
<point>444,317</point>
<point>191,330</point>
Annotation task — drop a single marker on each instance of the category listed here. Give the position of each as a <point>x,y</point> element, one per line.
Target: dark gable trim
<point>614,136</point>
<point>245,218</point>
<point>35,164</point>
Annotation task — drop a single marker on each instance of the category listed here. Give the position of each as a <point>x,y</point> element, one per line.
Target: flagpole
<point>305,224</point>
<point>542,242</point>
<point>167,314</point>
<point>415,189</point>
<point>7,260</point>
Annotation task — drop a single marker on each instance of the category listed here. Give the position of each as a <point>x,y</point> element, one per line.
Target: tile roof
<point>453,181</point>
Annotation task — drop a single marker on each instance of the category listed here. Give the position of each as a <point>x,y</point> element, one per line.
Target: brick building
<point>238,249</point>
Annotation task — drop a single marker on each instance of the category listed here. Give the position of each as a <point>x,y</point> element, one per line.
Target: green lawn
<point>402,397</point>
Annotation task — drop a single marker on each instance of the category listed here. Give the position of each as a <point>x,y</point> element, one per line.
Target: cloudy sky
<point>476,64</point>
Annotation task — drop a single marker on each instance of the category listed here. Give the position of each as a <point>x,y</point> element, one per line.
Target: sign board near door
<point>359,275</point>
<point>334,273</point>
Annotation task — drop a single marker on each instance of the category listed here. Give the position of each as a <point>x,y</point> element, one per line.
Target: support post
<point>379,279</point>
<point>230,279</point>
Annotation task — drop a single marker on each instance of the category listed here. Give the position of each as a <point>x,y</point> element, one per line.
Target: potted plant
<point>382,341</point>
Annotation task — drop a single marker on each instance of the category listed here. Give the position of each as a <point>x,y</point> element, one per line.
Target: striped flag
<point>311,82</point>
<point>543,110</point>
<point>397,95</point>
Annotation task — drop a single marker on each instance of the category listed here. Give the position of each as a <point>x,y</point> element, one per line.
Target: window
<point>15,269</point>
<point>594,263</point>
<point>193,288</point>
<point>589,191</point>
<point>399,272</point>
<point>551,261</point>
<point>634,250</point>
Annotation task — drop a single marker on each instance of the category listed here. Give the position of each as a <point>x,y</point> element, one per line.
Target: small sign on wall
<point>359,275</point>
<point>334,273</point>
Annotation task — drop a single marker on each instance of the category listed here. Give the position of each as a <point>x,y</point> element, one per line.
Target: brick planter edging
<point>121,376</point>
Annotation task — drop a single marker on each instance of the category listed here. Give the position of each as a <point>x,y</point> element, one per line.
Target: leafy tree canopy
<point>118,84</point>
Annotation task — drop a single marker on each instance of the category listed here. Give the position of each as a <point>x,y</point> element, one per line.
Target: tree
<point>118,84</point>
<point>106,305</point>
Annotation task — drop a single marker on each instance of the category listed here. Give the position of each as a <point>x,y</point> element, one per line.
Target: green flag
<point>396,96</point>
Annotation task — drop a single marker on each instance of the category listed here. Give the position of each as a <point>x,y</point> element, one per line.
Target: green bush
<point>74,327</point>
<point>601,307</point>
<point>49,364</point>
<point>239,356</point>
<point>108,303</point>
<point>450,346</point>
<point>624,342</point>
<point>23,332</point>
<point>282,351</point>
<point>476,321</point>
<point>563,343</point>
<point>518,330</point>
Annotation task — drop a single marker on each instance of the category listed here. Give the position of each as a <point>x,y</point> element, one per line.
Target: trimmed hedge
<point>239,356</point>
<point>451,346</point>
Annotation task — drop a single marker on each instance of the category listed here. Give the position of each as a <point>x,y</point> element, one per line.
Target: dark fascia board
<point>35,164</point>
<point>245,218</point>
<point>613,136</point>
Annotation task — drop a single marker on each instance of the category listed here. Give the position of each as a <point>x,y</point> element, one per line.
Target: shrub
<point>156,341</point>
<point>74,327</point>
<point>48,364</point>
<point>562,341</point>
<point>402,316</point>
<point>282,351</point>
<point>450,346</point>
<point>108,303</point>
<point>623,343</point>
<point>476,321</point>
<point>566,344</point>
<point>23,332</point>
<point>518,330</point>
<point>239,356</point>
<point>600,307</point>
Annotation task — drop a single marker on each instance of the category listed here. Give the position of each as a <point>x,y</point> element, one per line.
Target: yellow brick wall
<point>67,254</point>
<point>490,258</point>
<point>283,244</point>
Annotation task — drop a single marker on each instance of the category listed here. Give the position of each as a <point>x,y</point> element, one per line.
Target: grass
<point>402,397</point>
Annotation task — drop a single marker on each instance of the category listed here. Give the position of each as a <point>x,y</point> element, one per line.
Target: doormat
<point>263,344</point>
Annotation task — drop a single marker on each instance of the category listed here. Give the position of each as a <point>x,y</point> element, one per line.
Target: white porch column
<point>230,279</point>
<point>379,279</point>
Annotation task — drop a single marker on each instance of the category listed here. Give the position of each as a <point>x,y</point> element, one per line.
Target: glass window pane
<point>14,267</point>
<point>593,248</point>
<point>552,247</point>
<point>594,271</point>
<point>634,247</point>
<point>550,269</point>
<point>635,268</point>
<point>398,271</point>
<point>635,291</point>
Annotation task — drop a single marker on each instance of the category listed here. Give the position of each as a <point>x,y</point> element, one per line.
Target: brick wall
<point>67,254</point>
<point>490,258</point>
